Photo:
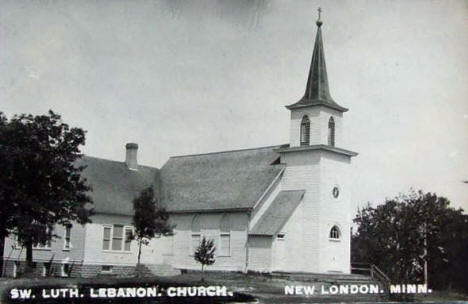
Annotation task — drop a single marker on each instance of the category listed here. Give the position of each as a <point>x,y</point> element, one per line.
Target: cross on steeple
<point>319,21</point>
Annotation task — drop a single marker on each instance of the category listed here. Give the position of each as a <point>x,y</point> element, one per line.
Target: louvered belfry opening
<point>331,132</point>
<point>305,131</point>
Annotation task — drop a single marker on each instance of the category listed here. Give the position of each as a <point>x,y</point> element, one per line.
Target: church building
<point>283,208</point>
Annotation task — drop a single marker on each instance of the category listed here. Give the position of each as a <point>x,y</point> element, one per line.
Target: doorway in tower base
<point>279,253</point>
<point>334,257</point>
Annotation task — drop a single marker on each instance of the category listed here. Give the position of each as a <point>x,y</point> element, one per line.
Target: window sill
<point>42,249</point>
<point>117,251</point>
<point>334,240</point>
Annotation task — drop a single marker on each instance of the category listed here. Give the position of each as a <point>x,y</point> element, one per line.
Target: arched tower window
<point>225,236</point>
<point>335,233</point>
<point>196,234</point>
<point>331,132</point>
<point>305,131</point>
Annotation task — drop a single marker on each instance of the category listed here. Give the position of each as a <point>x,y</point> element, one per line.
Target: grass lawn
<point>265,288</point>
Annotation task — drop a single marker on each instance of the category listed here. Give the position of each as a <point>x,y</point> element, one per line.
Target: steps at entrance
<point>334,278</point>
<point>163,270</point>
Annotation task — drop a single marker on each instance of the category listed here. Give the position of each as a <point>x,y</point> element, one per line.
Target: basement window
<point>106,269</point>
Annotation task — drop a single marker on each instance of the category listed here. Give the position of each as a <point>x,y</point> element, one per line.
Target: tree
<point>149,219</point>
<point>411,237</point>
<point>204,254</point>
<point>40,183</point>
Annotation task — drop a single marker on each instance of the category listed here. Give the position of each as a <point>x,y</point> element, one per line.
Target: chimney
<point>131,156</point>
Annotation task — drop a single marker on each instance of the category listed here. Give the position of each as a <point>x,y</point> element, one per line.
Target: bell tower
<point>316,163</point>
<point>316,107</point>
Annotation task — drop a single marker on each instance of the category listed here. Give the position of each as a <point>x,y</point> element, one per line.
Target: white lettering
<point>92,293</point>
<point>289,290</point>
<point>171,291</point>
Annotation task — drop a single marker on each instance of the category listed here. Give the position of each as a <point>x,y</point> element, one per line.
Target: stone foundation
<point>90,271</point>
<point>41,269</point>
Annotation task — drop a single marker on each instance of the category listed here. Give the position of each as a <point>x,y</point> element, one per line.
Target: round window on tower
<point>336,192</point>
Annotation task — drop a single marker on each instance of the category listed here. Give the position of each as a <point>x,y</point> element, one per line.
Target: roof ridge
<point>227,151</point>
<point>115,161</point>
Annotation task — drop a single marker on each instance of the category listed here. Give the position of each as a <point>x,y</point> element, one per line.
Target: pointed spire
<point>317,91</point>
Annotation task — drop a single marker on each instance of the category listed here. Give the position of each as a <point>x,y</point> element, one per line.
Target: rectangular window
<point>117,237</point>
<point>48,243</point>
<point>128,238</point>
<point>195,243</point>
<point>106,238</point>
<point>225,249</point>
<point>67,238</point>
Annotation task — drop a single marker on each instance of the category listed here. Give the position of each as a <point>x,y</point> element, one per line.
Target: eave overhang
<point>318,148</point>
<point>227,210</point>
<point>312,103</point>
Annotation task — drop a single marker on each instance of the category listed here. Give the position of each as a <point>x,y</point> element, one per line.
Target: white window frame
<point>224,231</point>
<point>125,229</point>
<point>111,239</point>
<point>195,231</point>
<point>67,245</point>
<point>228,234</point>
<point>193,249</point>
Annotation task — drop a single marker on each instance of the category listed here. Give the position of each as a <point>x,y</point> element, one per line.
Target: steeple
<point>317,91</point>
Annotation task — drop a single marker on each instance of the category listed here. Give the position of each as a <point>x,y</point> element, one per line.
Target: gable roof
<point>114,185</point>
<point>218,181</point>
<point>278,213</point>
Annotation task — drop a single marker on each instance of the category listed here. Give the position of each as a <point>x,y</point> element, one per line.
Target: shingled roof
<point>114,185</point>
<point>278,213</point>
<point>218,181</point>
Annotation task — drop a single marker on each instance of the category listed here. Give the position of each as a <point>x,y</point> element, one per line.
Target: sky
<point>186,77</point>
